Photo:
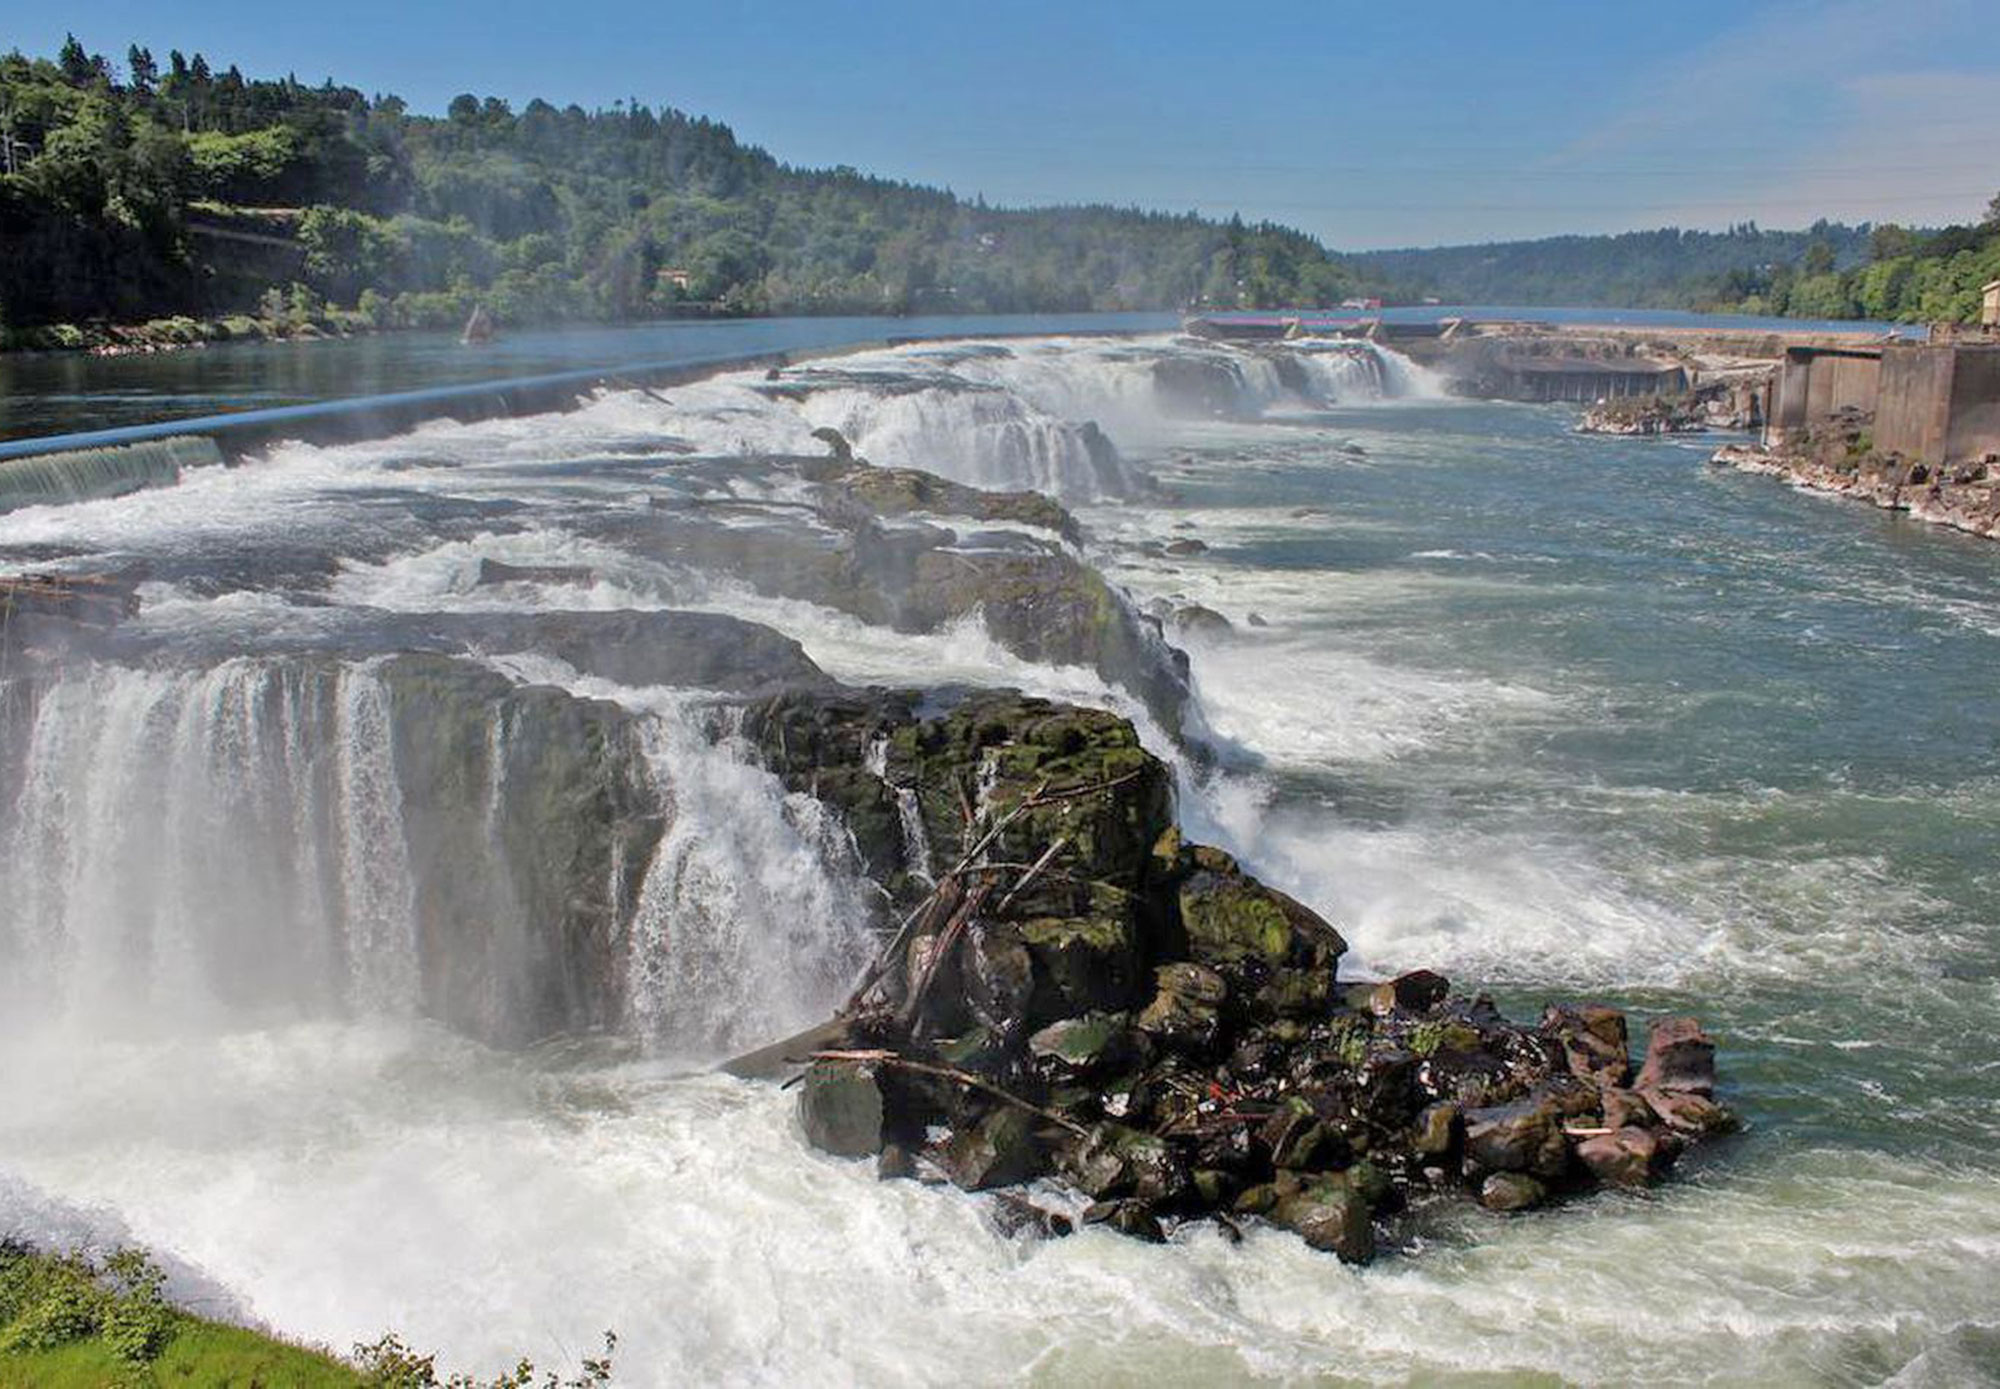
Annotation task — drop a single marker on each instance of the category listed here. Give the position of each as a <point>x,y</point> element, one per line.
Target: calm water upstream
<point>1557,714</point>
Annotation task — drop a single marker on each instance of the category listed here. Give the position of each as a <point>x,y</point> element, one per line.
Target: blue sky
<point>1367,123</point>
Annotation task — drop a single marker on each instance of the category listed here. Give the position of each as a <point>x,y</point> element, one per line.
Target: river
<point>1554,714</point>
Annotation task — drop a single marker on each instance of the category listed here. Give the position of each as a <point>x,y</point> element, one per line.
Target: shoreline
<point>1964,497</point>
<point>181,332</point>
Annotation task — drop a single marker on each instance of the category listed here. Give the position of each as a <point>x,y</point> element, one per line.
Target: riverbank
<point>1843,462</point>
<point>72,1319</point>
<point>180,333</point>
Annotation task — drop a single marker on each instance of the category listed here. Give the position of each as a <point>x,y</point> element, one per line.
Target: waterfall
<point>754,917</point>
<point>981,435</point>
<point>909,815</point>
<point>261,840</point>
<point>80,474</point>
<point>205,846</point>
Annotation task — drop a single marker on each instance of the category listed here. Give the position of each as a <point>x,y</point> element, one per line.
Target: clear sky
<point>1367,122</point>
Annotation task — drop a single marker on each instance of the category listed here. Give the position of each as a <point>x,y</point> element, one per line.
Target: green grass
<point>202,1355</point>
<point>76,1321</point>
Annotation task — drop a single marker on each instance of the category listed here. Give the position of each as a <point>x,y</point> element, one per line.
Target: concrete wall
<point>1975,405</point>
<point>1816,384</point>
<point>1840,382</point>
<point>1914,410</point>
<point>1939,404</point>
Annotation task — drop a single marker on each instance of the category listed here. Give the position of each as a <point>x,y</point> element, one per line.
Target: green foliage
<point>1888,272</point>
<point>390,1364</point>
<point>68,1320</point>
<point>542,215</point>
<point>1351,1036</point>
<point>1667,268</point>
<point>257,168</point>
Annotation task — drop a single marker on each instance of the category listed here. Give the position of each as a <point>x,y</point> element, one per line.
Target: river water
<point>1554,714</point>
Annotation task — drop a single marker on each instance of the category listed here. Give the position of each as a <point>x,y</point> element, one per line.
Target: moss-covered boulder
<point>1330,1216</point>
<point>1232,919</point>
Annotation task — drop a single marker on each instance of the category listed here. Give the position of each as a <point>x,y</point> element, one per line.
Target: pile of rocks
<point>1840,457</point>
<point>1645,414</point>
<point>1087,998</point>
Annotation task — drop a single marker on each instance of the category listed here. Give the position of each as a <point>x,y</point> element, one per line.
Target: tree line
<point>1827,271</point>
<point>134,191</point>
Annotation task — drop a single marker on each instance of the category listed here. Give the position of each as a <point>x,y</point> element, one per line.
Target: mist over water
<point>1557,715</point>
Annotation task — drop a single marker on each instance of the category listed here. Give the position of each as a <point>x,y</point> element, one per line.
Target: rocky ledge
<point>1647,414</point>
<point>1840,458</point>
<point>1078,996</point>
<point>1728,402</point>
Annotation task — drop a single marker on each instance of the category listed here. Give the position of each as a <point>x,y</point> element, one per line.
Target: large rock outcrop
<point>875,543</point>
<point>530,818</point>
<point>1079,994</point>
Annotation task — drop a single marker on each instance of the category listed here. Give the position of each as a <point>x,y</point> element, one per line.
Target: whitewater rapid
<point>1483,719</point>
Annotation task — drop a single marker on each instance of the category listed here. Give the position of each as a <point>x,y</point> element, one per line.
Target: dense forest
<point>135,191</point>
<point>1826,271</point>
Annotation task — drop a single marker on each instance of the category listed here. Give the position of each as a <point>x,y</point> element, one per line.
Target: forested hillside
<point>145,189</point>
<point>1826,271</point>
<point>1668,268</point>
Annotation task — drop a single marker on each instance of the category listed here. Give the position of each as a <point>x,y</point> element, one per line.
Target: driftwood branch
<point>947,942</point>
<point>949,882</point>
<point>899,1062</point>
<point>925,913</point>
<point>1035,871</point>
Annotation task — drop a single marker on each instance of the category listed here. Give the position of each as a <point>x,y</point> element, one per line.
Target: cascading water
<point>987,437</point>
<point>754,918</point>
<point>1533,745</point>
<point>206,845</point>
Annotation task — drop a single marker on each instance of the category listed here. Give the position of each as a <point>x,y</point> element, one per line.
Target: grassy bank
<point>71,1321</point>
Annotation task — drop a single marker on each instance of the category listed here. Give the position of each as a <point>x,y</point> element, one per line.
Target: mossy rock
<point>1231,919</point>
<point>1085,1046</point>
<point>1330,1216</point>
<point>1000,1150</point>
<point>1082,963</point>
<point>840,1107</point>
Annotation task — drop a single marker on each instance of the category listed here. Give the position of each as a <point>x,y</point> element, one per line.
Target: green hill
<point>135,192</point>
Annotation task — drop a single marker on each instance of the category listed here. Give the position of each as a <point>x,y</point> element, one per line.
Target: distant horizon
<point>1372,133</point>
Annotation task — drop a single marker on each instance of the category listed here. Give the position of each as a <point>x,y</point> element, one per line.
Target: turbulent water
<point>1556,714</point>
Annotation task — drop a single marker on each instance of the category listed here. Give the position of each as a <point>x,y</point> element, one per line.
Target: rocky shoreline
<point>1730,403</point>
<point>1840,460</point>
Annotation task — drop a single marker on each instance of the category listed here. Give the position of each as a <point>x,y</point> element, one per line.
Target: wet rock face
<point>1198,385</point>
<point>1085,996</point>
<point>518,916</point>
<point>841,1109</point>
<point>915,785</point>
<point>888,546</point>
<point>708,651</point>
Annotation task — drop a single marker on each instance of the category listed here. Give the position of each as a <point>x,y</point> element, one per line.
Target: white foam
<point>685,1213</point>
